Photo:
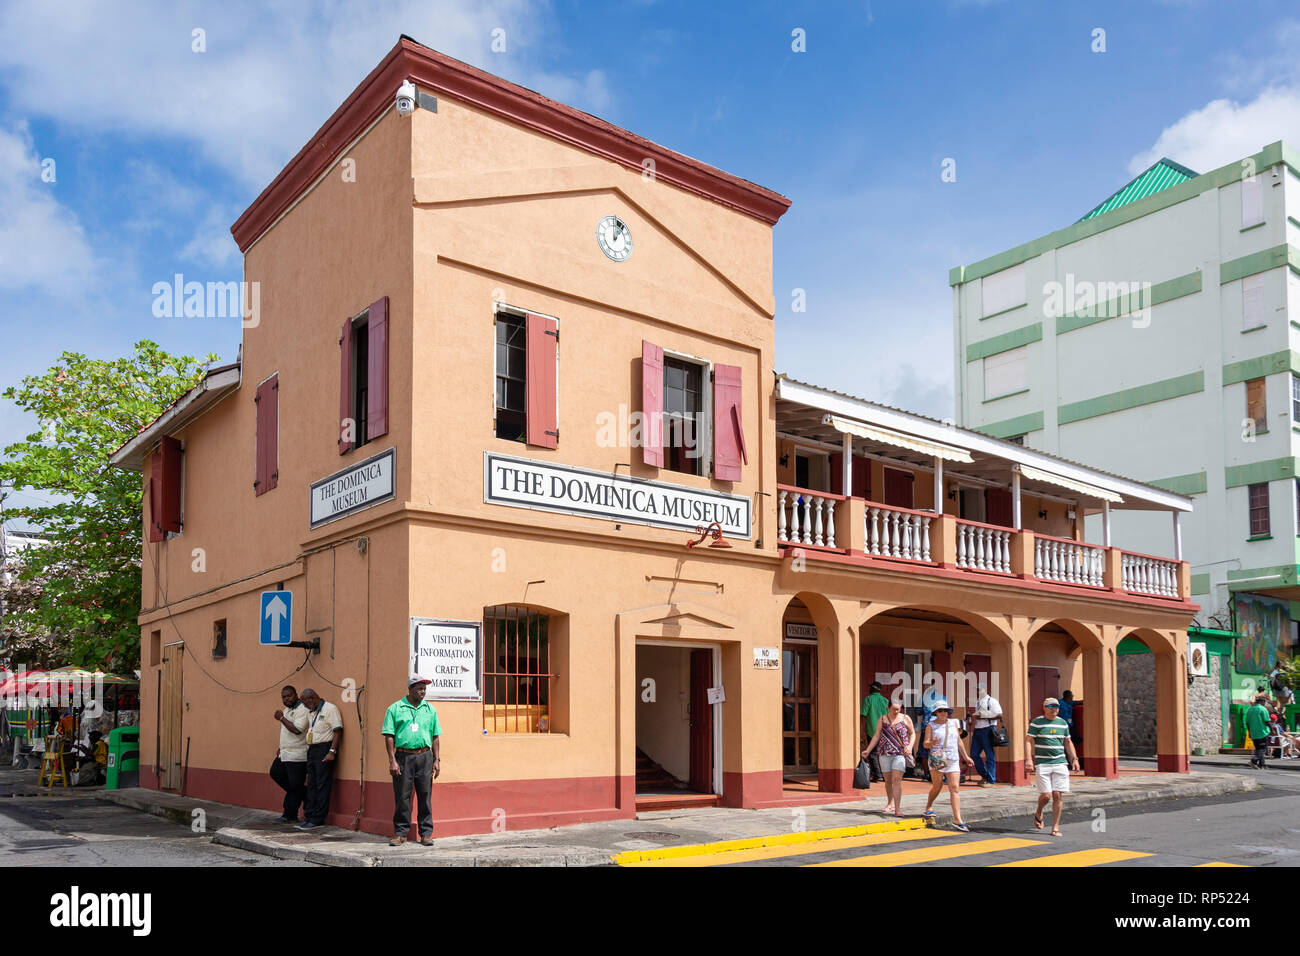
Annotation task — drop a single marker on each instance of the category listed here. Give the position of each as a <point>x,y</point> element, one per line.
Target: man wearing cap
<point>1048,742</point>
<point>1258,728</point>
<point>987,714</point>
<point>411,731</point>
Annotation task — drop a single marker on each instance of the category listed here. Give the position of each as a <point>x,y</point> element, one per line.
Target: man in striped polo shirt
<point>1047,744</point>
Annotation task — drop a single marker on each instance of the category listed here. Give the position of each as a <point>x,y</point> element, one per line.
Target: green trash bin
<point>123,758</point>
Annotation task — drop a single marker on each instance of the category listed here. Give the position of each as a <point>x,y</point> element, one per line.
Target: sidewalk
<point>593,844</point>
<point>1221,760</point>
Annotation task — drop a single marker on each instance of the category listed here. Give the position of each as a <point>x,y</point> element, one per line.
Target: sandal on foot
<point>888,809</point>
<point>928,814</point>
<point>1056,831</point>
<point>1038,820</point>
<point>962,827</point>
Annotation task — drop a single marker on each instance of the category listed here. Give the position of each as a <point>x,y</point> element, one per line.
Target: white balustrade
<point>891,533</point>
<point>1149,575</point>
<point>980,548</point>
<point>805,517</point>
<point>1069,562</point>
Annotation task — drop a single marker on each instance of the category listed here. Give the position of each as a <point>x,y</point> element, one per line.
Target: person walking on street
<point>947,753</point>
<point>324,736</point>
<point>987,714</point>
<point>289,769</point>
<point>411,733</point>
<point>1047,744</point>
<point>874,706</point>
<point>897,741</point>
<point>1257,727</point>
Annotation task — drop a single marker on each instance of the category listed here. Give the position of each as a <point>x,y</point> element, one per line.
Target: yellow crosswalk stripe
<point>926,854</point>
<point>1217,863</point>
<point>1079,858</point>
<point>777,852</point>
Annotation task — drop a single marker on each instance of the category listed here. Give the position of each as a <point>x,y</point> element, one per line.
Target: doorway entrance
<point>170,697</point>
<point>799,706</point>
<point>678,732</point>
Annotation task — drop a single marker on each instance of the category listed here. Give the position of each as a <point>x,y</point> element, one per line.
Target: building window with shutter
<point>363,377</point>
<point>1256,406</point>
<point>1295,398</point>
<point>683,415</point>
<point>1253,314</point>
<point>527,378</point>
<point>1258,497</point>
<point>1297,507</point>
<point>519,671</point>
<point>267,459</point>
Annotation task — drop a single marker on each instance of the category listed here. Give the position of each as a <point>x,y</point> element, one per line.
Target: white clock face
<point>614,238</point>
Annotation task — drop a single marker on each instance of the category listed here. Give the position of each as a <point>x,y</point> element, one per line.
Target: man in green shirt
<point>1258,728</point>
<point>874,706</point>
<point>1047,742</point>
<point>411,731</point>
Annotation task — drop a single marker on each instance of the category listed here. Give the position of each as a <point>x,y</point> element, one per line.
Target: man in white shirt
<point>289,769</point>
<point>987,714</point>
<point>324,735</point>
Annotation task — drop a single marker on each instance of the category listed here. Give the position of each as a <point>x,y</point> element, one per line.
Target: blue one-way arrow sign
<point>276,619</point>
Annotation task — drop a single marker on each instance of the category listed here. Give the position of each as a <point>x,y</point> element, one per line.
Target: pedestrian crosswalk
<point>908,846</point>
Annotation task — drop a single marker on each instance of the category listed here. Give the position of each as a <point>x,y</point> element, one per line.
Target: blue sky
<point>157,148</point>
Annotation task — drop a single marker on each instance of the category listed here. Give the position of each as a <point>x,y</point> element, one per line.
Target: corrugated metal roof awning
<point>897,439</point>
<point>1092,491</point>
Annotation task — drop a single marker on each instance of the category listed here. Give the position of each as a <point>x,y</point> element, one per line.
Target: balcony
<point>936,499</point>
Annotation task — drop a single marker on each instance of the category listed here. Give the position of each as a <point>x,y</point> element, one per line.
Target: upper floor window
<point>1003,290</point>
<point>1259,524</point>
<point>1006,373</point>
<point>683,415</point>
<point>166,486</point>
<point>1256,406</point>
<point>1252,201</point>
<point>1253,315</point>
<point>267,457</point>
<point>526,371</point>
<point>363,377</point>
<point>1295,398</point>
<point>682,420</point>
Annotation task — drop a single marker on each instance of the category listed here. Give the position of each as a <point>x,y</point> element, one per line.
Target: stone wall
<point>1205,710</point>
<point>1136,690</point>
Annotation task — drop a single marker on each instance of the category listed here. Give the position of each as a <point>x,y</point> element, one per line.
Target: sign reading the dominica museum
<point>523,483</point>
<point>448,653</point>
<point>355,488</point>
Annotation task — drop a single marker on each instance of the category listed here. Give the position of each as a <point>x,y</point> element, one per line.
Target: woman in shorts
<point>897,740</point>
<point>947,754</point>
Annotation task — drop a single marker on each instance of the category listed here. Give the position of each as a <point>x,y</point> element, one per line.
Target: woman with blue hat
<point>947,754</point>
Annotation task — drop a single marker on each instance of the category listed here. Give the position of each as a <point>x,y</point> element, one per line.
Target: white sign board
<point>716,695</point>
<point>767,658</point>
<point>450,654</point>
<point>1198,660</point>
<point>523,483</point>
<point>800,632</point>
<point>355,488</point>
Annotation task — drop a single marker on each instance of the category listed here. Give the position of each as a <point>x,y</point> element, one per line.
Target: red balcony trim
<point>810,491</point>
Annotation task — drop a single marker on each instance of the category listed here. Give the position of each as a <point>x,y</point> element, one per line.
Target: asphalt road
<point>82,831</point>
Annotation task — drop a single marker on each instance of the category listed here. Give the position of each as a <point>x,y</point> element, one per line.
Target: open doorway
<point>678,732</point>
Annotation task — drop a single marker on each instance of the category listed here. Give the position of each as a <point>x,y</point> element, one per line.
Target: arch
<point>1085,635</point>
<point>1152,688</point>
<point>1156,641</point>
<point>987,627</point>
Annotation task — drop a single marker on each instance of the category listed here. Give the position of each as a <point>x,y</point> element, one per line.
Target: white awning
<point>889,437</point>
<point>1092,491</point>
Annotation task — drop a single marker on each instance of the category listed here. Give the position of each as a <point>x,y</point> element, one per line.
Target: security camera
<point>405,101</point>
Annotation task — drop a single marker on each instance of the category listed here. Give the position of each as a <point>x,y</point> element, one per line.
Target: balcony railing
<point>854,526</point>
<point>1068,562</point>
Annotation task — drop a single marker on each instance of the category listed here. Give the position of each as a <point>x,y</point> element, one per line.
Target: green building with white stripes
<point>1159,338</point>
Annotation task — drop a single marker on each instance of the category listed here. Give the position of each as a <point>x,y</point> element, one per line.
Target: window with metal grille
<point>1259,509</point>
<point>683,413</point>
<point>517,676</point>
<point>512,410</point>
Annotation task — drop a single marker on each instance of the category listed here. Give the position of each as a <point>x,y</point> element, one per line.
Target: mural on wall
<point>1264,625</point>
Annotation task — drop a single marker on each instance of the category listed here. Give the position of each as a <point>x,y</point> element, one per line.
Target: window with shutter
<point>267,471</point>
<point>1253,314</point>
<point>541,350</point>
<point>527,366</point>
<point>729,450</point>
<point>376,399</point>
<point>1258,504</point>
<point>898,488</point>
<point>169,515</point>
<point>1006,373</point>
<point>153,524</point>
<point>1252,201</point>
<point>652,404</point>
<point>683,411</point>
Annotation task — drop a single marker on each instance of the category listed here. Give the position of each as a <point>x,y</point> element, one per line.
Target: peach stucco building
<point>509,358</point>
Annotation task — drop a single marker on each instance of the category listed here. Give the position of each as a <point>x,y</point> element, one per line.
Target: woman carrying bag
<point>897,739</point>
<point>947,754</point>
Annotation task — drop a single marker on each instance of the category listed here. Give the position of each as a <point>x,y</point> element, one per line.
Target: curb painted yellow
<point>754,843</point>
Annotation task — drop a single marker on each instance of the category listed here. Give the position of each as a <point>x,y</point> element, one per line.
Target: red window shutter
<point>377,371</point>
<point>837,473</point>
<point>862,478</point>
<point>169,513</point>
<point>268,437</point>
<point>997,506</point>
<point>652,404</point>
<point>345,388</point>
<point>898,488</point>
<point>728,424</point>
<point>154,525</point>
<point>541,346</point>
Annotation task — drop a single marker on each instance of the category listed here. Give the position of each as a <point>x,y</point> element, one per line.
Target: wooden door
<point>1044,682</point>
<point>701,780</point>
<point>169,715</point>
<point>898,488</point>
<point>799,707</point>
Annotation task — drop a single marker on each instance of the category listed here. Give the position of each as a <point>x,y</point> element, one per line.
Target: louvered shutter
<point>728,424</point>
<point>541,344</point>
<point>377,371</point>
<point>345,388</point>
<point>169,505</point>
<point>652,404</point>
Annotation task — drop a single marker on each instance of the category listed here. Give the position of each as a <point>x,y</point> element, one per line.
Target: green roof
<point>1162,175</point>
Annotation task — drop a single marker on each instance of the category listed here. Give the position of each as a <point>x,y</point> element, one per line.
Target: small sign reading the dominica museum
<point>523,483</point>
<point>354,489</point>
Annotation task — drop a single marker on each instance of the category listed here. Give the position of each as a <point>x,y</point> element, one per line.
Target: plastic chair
<point>52,763</point>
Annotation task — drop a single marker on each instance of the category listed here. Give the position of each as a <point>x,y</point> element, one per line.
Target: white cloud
<point>1225,131</point>
<point>42,244</point>
<point>268,78</point>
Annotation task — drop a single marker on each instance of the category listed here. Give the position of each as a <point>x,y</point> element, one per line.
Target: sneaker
<point>962,827</point>
<point>397,841</point>
<point>283,819</point>
<point>928,814</point>
<point>983,782</point>
<point>307,825</point>
<point>426,841</point>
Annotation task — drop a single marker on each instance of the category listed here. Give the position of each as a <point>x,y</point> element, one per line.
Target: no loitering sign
<point>355,488</point>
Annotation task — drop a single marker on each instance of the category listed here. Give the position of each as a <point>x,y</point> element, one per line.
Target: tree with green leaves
<point>89,573</point>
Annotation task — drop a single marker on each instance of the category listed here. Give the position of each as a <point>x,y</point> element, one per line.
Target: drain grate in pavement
<point>652,835</point>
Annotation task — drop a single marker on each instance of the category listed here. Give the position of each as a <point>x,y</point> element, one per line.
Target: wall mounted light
<point>713,531</point>
<point>1042,514</point>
